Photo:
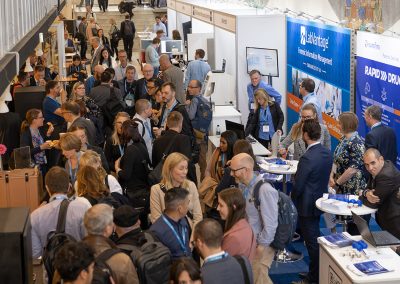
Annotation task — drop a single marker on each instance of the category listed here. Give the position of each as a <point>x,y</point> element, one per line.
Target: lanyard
<point>126,87</point>
<point>167,111</point>
<point>73,176</point>
<point>146,124</point>
<point>121,150</point>
<point>182,240</point>
<point>215,258</point>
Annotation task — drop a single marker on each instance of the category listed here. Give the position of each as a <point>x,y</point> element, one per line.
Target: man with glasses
<point>142,91</point>
<point>263,221</point>
<point>120,69</point>
<point>196,107</point>
<point>306,89</point>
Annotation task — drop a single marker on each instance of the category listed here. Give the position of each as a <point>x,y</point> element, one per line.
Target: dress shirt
<point>196,70</point>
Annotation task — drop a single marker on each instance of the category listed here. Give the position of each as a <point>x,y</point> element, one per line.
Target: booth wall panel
<point>272,35</point>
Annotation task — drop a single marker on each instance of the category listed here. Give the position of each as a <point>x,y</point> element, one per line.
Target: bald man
<point>173,74</point>
<point>383,191</point>
<point>263,222</point>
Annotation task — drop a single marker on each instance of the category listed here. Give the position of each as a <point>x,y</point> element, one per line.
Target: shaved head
<point>242,168</point>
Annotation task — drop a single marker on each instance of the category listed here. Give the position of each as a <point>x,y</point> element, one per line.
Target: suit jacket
<point>253,126</point>
<point>386,185</point>
<point>311,180</point>
<point>175,75</point>
<point>101,94</point>
<point>141,90</point>
<point>89,127</point>
<point>95,58</point>
<point>187,128</point>
<point>383,138</point>
<point>181,145</point>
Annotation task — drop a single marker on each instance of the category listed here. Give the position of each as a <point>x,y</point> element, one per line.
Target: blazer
<point>311,180</point>
<point>187,127</point>
<point>101,94</point>
<point>95,58</point>
<point>112,153</point>
<point>141,90</point>
<point>181,145</point>
<point>240,240</point>
<point>253,126</point>
<point>384,139</point>
<point>386,185</point>
<point>26,140</point>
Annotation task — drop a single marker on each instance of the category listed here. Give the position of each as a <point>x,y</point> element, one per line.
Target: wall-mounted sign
<point>203,14</point>
<point>225,21</point>
<point>183,8</point>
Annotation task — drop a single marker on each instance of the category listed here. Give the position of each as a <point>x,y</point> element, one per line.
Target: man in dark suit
<point>311,182</point>
<point>38,78</point>
<point>383,191</point>
<point>97,48</point>
<point>142,91</point>
<point>173,141</point>
<point>380,137</point>
<point>70,112</point>
<point>172,104</point>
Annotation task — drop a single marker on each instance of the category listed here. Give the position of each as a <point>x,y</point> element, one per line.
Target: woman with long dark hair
<point>238,238</point>
<point>185,270</point>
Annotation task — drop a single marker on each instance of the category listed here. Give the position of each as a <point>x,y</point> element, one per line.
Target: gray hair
<point>97,218</point>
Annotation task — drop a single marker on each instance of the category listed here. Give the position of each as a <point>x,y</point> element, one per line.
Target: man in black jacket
<point>173,140</point>
<point>171,104</point>
<point>128,34</point>
<point>383,191</point>
<point>380,137</point>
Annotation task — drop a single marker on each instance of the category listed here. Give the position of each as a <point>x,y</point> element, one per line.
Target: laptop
<point>239,130</point>
<point>377,239</point>
<point>223,67</point>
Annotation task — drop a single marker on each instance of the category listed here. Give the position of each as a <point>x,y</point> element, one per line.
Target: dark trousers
<point>83,49</point>
<point>102,5</point>
<point>263,142</point>
<point>309,227</point>
<point>114,48</point>
<point>128,45</point>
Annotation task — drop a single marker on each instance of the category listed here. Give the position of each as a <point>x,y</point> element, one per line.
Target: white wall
<point>273,36</point>
<point>225,43</point>
<point>171,21</point>
<point>201,27</point>
<point>181,18</point>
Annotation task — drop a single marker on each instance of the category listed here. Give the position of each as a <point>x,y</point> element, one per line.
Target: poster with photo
<point>323,53</point>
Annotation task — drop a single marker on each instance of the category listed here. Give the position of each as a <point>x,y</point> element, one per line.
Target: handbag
<point>207,192</point>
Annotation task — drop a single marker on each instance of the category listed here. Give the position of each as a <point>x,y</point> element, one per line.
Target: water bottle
<point>290,156</point>
<point>218,130</point>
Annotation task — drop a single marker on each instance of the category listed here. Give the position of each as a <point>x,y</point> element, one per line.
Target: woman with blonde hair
<point>113,148</point>
<point>78,95</point>
<point>174,174</point>
<point>267,119</point>
<point>91,158</point>
<point>90,185</point>
<point>70,146</point>
<point>295,135</point>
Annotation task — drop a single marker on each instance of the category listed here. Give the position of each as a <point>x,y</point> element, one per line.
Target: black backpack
<point>56,240</point>
<point>112,106</point>
<point>102,271</point>
<point>287,217</point>
<point>152,260</point>
<point>114,199</point>
<point>128,29</point>
<point>137,121</point>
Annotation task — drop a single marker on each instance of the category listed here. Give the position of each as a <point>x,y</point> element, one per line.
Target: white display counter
<point>222,113</point>
<point>258,148</point>
<point>333,264</point>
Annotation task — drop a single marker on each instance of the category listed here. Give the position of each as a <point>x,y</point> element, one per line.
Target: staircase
<point>143,18</point>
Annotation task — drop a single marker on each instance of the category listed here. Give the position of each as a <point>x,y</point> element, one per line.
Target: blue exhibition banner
<point>378,80</point>
<point>323,53</point>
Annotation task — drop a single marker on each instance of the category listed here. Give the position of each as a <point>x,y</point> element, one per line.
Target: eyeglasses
<point>306,117</point>
<point>234,171</point>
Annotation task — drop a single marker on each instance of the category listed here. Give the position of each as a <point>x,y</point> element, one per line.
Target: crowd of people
<point>97,145</point>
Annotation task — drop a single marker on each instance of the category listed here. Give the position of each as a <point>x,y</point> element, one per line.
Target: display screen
<point>172,46</point>
<point>264,60</point>
<point>144,43</point>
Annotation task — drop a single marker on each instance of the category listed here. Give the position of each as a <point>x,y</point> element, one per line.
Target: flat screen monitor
<point>172,46</point>
<point>264,60</point>
<point>235,127</point>
<point>26,98</point>
<point>144,43</point>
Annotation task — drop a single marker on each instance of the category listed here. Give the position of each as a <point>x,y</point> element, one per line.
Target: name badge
<point>265,128</point>
<point>252,106</point>
<point>128,102</point>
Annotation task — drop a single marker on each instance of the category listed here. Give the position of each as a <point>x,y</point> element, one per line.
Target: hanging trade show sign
<point>378,80</point>
<point>323,53</point>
